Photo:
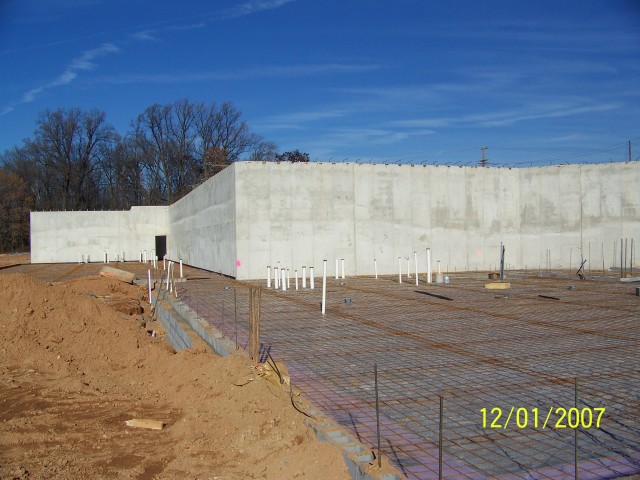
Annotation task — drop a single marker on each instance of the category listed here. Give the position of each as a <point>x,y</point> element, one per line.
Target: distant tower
<point>483,162</point>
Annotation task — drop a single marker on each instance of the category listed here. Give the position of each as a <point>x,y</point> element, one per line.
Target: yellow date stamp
<point>551,418</point>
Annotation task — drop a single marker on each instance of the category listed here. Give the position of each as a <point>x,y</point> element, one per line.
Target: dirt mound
<point>73,369</point>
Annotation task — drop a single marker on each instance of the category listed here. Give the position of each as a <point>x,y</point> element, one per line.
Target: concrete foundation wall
<point>296,215</point>
<point>203,223</point>
<point>255,214</point>
<point>68,236</point>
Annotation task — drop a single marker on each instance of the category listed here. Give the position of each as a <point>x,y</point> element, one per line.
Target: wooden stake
<point>254,323</point>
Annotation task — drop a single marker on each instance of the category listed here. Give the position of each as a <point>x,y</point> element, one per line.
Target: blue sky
<point>409,81</point>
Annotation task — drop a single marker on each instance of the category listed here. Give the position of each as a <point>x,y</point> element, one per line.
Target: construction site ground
<point>514,370</point>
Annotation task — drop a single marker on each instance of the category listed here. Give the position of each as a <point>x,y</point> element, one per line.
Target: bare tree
<point>15,203</point>
<point>223,135</point>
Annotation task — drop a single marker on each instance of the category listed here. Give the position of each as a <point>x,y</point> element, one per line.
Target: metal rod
<point>625,258</point>
<point>621,260</point>
<point>235,314</point>
<point>575,442</point>
<point>440,438</point>
<point>375,376</point>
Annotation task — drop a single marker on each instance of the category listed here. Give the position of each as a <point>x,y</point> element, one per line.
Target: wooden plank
<point>497,285</point>
<point>145,423</point>
<point>116,274</point>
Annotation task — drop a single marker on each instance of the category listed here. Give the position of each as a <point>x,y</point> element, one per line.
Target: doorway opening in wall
<point>161,246</point>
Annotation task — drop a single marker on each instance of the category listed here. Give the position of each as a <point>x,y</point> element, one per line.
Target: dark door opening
<point>161,246</point>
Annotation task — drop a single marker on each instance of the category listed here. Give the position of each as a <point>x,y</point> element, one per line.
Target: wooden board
<point>117,274</point>
<point>497,286</point>
<point>145,423</point>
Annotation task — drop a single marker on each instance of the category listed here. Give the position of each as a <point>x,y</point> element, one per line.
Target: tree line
<point>77,161</point>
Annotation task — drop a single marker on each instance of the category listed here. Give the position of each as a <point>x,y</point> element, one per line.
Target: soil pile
<point>73,369</point>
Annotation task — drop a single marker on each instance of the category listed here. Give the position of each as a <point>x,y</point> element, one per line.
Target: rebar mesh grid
<point>522,348</point>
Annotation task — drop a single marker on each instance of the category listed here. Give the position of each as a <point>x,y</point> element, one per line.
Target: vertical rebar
<point>575,440</point>
<point>625,258</point>
<point>621,260</point>
<point>375,377</point>
<point>440,423</point>
<point>235,314</point>
<point>602,246</point>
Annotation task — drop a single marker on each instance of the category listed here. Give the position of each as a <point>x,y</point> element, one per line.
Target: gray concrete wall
<point>255,214</point>
<point>58,237</point>
<point>203,225</point>
<point>300,214</point>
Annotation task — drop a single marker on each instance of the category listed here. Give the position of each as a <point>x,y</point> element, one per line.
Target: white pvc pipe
<point>288,278</point>
<point>342,267</point>
<point>145,256</point>
<point>311,279</point>
<point>284,279</point>
<point>428,265</point>
<point>276,278</point>
<point>415,258</point>
<point>400,269</point>
<point>296,274</point>
<point>181,276</point>
<point>155,262</point>
<point>324,286</point>
<point>268,276</point>
<point>304,277</point>
<point>375,267</point>
<point>149,284</point>
<point>168,274</point>
<point>164,262</point>
<point>336,268</point>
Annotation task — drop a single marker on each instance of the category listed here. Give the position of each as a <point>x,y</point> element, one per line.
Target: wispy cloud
<point>85,61</point>
<point>144,36</point>
<point>258,72</point>
<point>254,6</point>
<point>509,117</point>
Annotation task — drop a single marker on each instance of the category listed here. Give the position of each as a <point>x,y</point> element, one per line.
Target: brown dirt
<point>73,370</point>
<point>8,259</point>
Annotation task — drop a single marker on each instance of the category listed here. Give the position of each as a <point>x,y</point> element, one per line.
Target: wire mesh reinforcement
<point>504,362</point>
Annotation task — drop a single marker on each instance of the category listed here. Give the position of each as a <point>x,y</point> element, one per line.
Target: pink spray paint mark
<point>237,263</point>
